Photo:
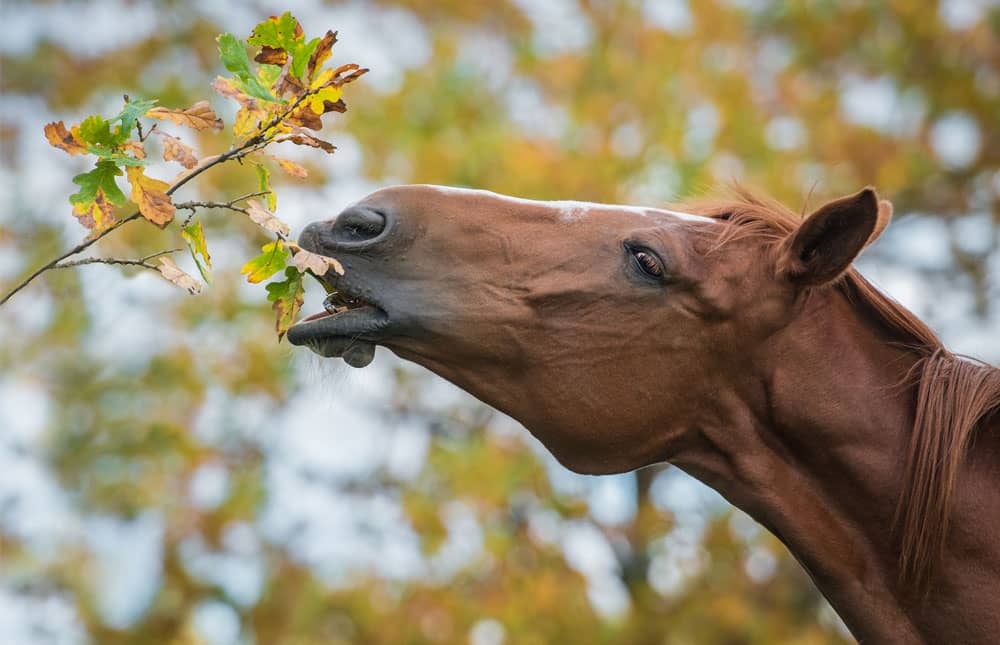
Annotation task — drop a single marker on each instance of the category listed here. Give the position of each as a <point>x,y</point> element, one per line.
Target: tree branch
<point>262,138</point>
<point>139,262</point>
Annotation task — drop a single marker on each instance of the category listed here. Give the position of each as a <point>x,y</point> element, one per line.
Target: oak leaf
<point>96,214</point>
<point>287,298</point>
<point>302,138</point>
<point>273,258</point>
<point>321,53</point>
<point>169,270</point>
<point>290,167</point>
<point>61,138</point>
<point>151,197</point>
<point>318,264</point>
<point>176,150</point>
<point>136,148</point>
<point>265,218</point>
<point>194,236</point>
<point>227,88</point>
<point>199,116</point>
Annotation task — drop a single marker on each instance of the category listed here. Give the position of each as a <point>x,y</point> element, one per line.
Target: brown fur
<point>954,394</point>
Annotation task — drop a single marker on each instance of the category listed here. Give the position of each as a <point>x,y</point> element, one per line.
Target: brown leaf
<point>304,117</point>
<point>176,150</point>
<point>199,116</point>
<point>96,215</point>
<point>302,138</point>
<point>356,72</point>
<point>271,56</point>
<point>321,53</point>
<point>318,264</point>
<point>265,218</point>
<point>228,89</point>
<point>151,197</point>
<point>136,148</point>
<point>290,167</point>
<point>169,270</point>
<point>61,138</point>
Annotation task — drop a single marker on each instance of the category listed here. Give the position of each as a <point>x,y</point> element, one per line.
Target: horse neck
<point>812,448</point>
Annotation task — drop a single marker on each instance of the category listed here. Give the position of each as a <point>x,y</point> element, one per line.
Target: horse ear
<point>826,243</point>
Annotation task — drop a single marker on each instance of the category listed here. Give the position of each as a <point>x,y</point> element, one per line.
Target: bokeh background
<point>171,474</point>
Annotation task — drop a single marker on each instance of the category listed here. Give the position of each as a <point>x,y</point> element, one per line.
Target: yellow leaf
<point>151,196</point>
<point>169,270</point>
<point>61,138</point>
<point>317,102</point>
<point>290,167</point>
<point>318,264</point>
<point>199,116</point>
<point>96,215</point>
<point>265,218</point>
<point>175,150</point>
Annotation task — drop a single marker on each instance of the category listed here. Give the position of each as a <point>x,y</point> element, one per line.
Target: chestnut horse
<point>733,340</point>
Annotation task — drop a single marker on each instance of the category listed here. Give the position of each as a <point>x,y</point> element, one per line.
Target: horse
<point>731,338</point>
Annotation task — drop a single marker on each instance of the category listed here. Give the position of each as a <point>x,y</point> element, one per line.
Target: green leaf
<point>264,186</point>
<point>279,33</point>
<point>234,57</point>
<point>96,131</point>
<point>275,32</point>
<point>287,298</point>
<point>102,178</point>
<point>129,115</point>
<point>273,258</point>
<point>194,236</point>
<point>116,157</point>
<point>300,58</point>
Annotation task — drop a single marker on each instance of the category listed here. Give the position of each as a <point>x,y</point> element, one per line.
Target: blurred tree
<point>147,395</point>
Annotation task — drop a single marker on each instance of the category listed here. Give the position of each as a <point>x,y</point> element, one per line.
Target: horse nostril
<point>358,224</point>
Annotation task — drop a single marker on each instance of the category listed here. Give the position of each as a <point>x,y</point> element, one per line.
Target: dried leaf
<point>287,298</point>
<point>176,150</point>
<point>151,197</point>
<point>271,56</point>
<point>169,270</point>
<point>97,214</point>
<point>265,218</point>
<point>321,53</point>
<point>318,264</point>
<point>273,258</point>
<point>302,138</point>
<point>199,116</point>
<point>227,88</point>
<point>305,117</point>
<point>61,138</point>
<point>290,167</point>
<point>136,148</point>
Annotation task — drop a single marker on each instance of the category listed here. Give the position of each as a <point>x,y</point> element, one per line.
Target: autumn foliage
<point>283,93</point>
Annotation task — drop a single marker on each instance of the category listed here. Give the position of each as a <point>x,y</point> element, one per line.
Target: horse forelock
<point>954,395</point>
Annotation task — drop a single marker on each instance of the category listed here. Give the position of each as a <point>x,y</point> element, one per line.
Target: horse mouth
<point>347,328</point>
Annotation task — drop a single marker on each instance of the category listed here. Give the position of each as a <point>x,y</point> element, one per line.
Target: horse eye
<point>648,263</point>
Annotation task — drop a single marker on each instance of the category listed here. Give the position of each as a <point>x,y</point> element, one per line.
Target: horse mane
<point>955,395</point>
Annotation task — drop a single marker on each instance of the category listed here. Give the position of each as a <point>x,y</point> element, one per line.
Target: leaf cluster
<point>283,93</point>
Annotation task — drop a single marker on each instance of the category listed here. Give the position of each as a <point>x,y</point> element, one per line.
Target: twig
<point>139,262</point>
